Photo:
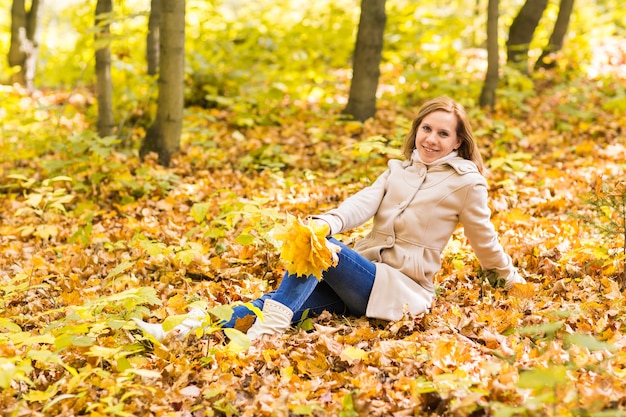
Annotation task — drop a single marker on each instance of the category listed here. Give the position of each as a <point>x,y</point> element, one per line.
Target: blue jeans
<point>344,289</point>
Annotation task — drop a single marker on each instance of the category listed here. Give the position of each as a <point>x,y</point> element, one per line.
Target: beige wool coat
<point>416,208</point>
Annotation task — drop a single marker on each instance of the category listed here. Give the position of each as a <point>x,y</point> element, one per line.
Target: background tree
<point>24,40</point>
<point>366,62</point>
<point>555,44</point>
<point>488,93</point>
<point>104,85</point>
<point>152,40</point>
<point>163,136</point>
<point>521,33</point>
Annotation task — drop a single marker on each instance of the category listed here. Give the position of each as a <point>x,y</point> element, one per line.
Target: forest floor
<point>92,237</point>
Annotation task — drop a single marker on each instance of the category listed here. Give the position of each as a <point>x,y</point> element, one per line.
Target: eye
<point>444,134</point>
<point>426,128</point>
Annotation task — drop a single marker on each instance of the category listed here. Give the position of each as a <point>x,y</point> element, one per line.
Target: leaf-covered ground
<point>91,237</point>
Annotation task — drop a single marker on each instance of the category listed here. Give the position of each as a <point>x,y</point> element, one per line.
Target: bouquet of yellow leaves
<point>304,248</point>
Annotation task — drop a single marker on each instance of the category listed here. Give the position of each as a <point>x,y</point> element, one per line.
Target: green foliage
<point>79,152</point>
<point>44,203</point>
<point>550,383</point>
<point>515,89</point>
<point>250,64</point>
<point>10,292</point>
<point>250,57</point>
<point>252,217</point>
<point>81,327</point>
<point>44,197</point>
<point>93,166</point>
<point>501,143</point>
<point>147,180</point>
<point>372,152</point>
<point>162,254</point>
<point>378,146</point>
<point>305,322</point>
<point>516,163</point>
<point>607,216</point>
<point>271,157</point>
<point>348,409</point>
<point>429,43</point>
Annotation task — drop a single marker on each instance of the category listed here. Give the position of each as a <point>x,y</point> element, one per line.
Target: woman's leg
<point>323,298</point>
<point>345,288</point>
<point>351,280</point>
<point>242,311</point>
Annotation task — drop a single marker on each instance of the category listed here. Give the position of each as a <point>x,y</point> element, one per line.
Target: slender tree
<point>152,41</point>
<point>366,60</point>
<point>104,84</point>
<point>25,40</point>
<point>555,44</point>
<point>488,93</point>
<point>163,136</point>
<point>521,33</point>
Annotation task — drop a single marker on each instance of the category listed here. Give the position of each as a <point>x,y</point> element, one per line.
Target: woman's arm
<point>476,219</point>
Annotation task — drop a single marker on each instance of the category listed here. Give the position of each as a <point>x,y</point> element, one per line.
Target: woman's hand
<point>513,279</point>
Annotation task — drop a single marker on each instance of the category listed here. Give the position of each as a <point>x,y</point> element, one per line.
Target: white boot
<point>194,319</point>
<point>153,329</point>
<point>276,319</point>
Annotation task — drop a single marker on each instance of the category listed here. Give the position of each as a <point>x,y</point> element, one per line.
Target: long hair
<point>467,150</point>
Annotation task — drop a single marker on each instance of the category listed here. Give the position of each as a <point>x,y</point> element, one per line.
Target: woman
<point>416,205</point>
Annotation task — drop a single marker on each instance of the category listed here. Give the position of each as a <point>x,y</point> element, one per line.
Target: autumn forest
<point>110,211</point>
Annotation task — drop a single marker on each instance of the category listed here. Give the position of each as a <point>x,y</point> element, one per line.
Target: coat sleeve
<point>476,219</point>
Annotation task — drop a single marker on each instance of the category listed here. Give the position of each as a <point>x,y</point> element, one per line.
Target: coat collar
<point>461,165</point>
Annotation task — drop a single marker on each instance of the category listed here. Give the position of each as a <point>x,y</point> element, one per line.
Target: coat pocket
<point>415,267</point>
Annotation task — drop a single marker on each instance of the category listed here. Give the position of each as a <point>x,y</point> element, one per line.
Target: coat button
<point>389,240</point>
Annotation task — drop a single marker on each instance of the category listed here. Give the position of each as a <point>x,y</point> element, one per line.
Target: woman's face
<point>436,136</point>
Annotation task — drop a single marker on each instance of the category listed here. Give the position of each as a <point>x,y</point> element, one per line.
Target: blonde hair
<point>468,148</point>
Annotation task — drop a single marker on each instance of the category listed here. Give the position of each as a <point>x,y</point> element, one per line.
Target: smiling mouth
<point>430,150</point>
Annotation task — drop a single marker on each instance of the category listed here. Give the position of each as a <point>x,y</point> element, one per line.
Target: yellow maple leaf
<point>304,248</point>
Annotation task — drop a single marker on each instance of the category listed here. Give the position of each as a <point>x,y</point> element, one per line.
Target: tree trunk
<point>521,33</point>
<point>366,63</point>
<point>152,40</point>
<point>546,60</point>
<point>25,40</point>
<point>18,33</point>
<point>104,86</point>
<point>163,137</point>
<point>488,93</point>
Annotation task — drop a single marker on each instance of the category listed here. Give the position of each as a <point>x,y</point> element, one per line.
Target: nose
<point>431,137</point>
